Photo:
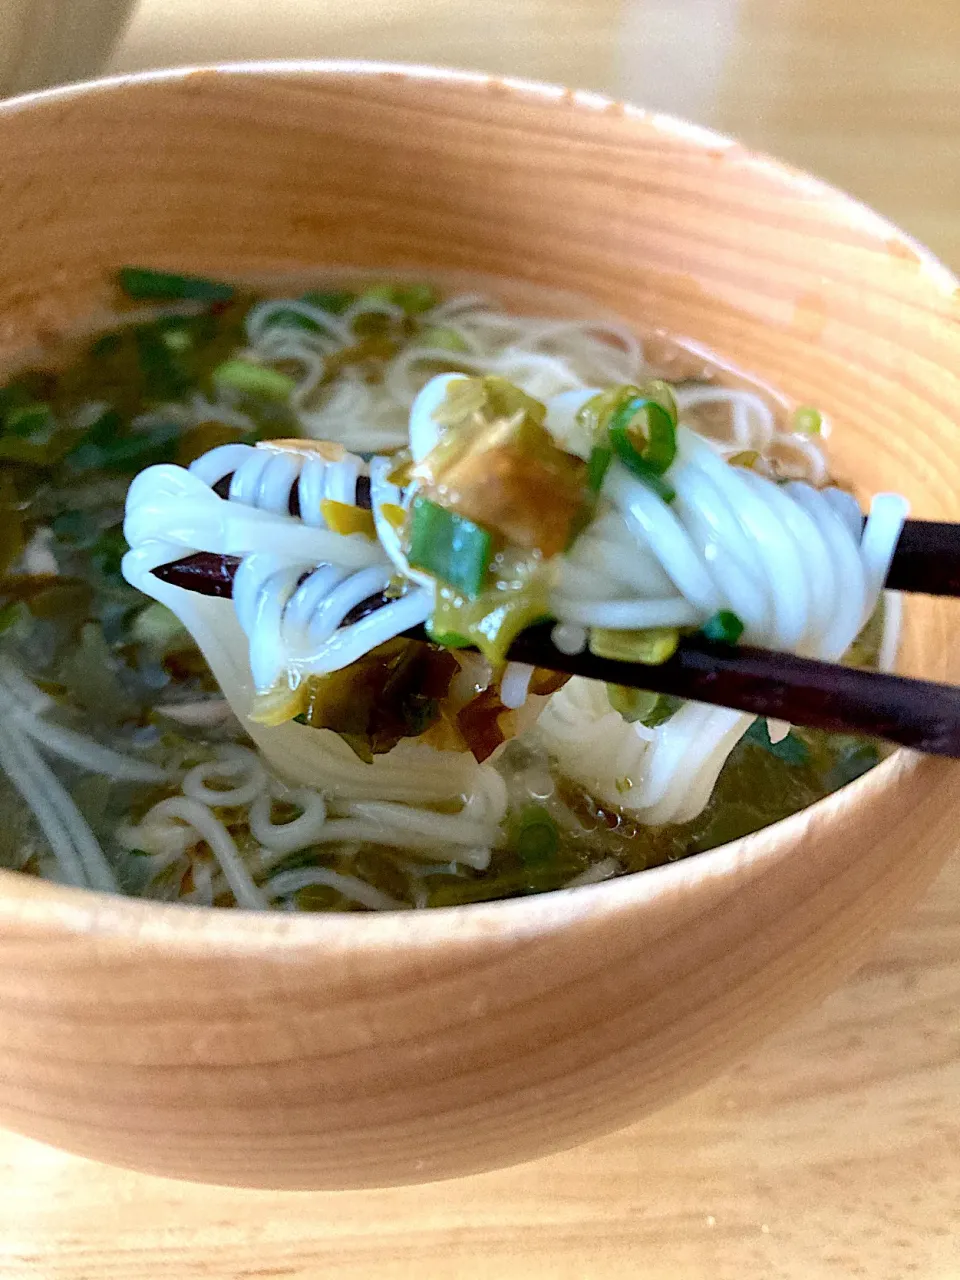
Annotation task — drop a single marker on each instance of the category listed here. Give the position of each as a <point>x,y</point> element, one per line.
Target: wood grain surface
<point>832,1153</point>
<point>834,1150</point>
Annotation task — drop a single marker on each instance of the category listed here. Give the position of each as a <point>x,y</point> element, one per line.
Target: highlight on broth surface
<point>339,466</point>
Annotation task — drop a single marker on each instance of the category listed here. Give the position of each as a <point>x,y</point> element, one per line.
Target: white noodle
<point>230,762</point>
<point>23,691</point>
<point>221,844</point>
<point>418,837</point>
<point>777,730</point>
<point>350,887</point>
<point>515,684</point>
<point>892,623</point>
<point>569,638</point>
<point>629,615</point>
<point>48,800</point>
<point>752,421</point>
<point>203,714</point>
<point>58,837</point>
<point>202,894</point>
<point>85,752</point>
<point>605,869</point>
<point>259,317</point>
<point>288,837</point>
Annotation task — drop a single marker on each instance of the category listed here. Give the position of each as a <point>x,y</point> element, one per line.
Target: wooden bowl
<point>347,1051</point>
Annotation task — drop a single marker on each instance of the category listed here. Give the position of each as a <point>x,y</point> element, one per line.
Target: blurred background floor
<point>834,1152</point>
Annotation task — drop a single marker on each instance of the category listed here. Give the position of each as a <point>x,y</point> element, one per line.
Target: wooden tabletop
<point>835,1151</point>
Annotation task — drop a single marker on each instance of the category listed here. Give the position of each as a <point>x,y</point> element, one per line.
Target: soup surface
<point>121,764</point>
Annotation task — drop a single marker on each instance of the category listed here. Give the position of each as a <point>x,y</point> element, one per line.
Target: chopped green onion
<point>667,706</point>
<point>662,394</point>
<point>597,414</point>
<point>336,301</point>
<point>176,337</point>
<point>414,299</point>
<point>640,706</point>
<point>448,639</point>
<point>644,435</point>
<point>593,417</point>
<point>494,619</point>
<point>254,380</point>
<point>449,546</point>
<point>597,465</point>
<point>624,448</point>
<point>665,492</point>
<point>633,704</point>
<point>142,283</point>
<point>651,647</point>
<point>808,421</point>
<point>443,339</point>
<point>379,293</point>
<point>537,837</point>
<point>723,628</point>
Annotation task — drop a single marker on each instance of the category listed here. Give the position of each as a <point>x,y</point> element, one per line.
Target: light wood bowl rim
<point>203,930</point>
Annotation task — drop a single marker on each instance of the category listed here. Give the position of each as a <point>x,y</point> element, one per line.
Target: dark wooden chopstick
<point>927,559</point>
<point>204,572</point>
<point>820,695</point>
